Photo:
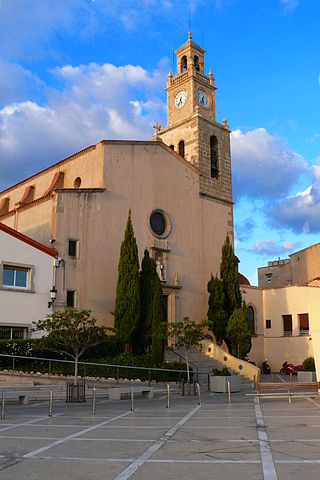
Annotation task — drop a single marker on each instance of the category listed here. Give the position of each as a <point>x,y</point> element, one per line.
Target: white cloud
<point>271,247</point>
<point>94,102</point>
<point>263,166</point>
<point>300,212</point>
<point>290,5</point>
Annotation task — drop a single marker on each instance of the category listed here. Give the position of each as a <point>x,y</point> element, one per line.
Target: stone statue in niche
<point>160,270</point>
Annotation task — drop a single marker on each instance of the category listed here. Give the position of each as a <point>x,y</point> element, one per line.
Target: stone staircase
<point>204,363</point>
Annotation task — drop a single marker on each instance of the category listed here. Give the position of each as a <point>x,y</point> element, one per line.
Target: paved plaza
<point>217,440</point>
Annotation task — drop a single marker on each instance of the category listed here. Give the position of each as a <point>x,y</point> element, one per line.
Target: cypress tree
<point>157,321</point>
<point>230,279</point>
<point>127,306</point>
<point>217,316</point>
<point>144,331</point>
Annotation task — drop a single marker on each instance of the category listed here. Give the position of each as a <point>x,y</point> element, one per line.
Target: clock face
<point>180,99</point>
<point>203,98</point>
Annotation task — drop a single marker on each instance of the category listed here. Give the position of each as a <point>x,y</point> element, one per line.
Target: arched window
<point>181,148</point>
<point>184,63</point>
<point>251,320</point>
<point>214,156</point>
<point>196,62</point>
<point>77,182</point>
<point>172,147</point>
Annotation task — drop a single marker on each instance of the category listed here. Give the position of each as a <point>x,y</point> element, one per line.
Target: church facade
<point>177,186</point>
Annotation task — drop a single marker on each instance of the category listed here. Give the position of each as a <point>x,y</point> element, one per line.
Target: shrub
<point>224,372</point>
<point>308,365</point>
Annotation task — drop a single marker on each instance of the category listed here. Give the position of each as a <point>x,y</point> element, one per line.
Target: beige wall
<point>253,297</point>
<point>280,271</point>
<point>141,177</point>
<point>278,348</point>
<point>305,265</point>
<point>21,308</point>
<point>86,165</point>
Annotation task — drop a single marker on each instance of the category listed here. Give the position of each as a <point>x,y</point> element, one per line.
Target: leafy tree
<point>230,279</point>
<point>238,333</point>
<point>72,332</point>
<point>187,334</point>
<point>127,306</point>
<point>217,316</point>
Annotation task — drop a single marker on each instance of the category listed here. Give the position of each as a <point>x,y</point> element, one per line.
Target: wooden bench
<point>286,389</point>
<point>116,393</point>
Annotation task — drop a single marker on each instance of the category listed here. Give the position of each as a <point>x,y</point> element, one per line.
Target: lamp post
<point>53,295</point>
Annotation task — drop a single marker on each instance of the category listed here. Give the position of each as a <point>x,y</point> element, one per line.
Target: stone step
<point>199,359</point>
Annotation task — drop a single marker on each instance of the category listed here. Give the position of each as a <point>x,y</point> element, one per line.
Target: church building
<point>177,186</point>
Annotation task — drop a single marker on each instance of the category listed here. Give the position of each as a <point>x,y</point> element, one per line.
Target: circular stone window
<point>159,223</point>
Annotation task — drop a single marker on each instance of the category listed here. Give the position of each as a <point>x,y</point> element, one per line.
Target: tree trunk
<point>76,370</point>
<point>188,370</point>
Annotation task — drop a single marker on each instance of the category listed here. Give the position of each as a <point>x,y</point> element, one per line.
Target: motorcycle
<point>288,368</point>
<point>265,367</point>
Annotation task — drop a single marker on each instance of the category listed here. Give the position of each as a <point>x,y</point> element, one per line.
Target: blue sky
<point>75,71</point>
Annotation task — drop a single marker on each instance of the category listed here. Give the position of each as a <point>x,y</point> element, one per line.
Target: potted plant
<point>308,371</point>
<point>219,380</point>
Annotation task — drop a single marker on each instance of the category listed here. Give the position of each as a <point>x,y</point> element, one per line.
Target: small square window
<point>268,323</point>
<point>73,248</point>
<point>71,295</point>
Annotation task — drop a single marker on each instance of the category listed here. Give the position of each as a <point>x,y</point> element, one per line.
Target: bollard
<point>199,393</point>
<point>3,405</point>
<point>94,400</point>
<point>132,398</point>
<point>229,392</point>
<point>168,397</point>
<point>50,402</point>
<point>290,377</point>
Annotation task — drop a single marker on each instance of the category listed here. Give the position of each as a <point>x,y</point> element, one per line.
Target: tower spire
<point>189,33</point>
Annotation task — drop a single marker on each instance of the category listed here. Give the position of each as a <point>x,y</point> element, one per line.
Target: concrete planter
<point>219,384</point>
<point>307,376</point>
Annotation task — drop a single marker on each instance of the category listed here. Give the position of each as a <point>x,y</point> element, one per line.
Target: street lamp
<point>53,296</point>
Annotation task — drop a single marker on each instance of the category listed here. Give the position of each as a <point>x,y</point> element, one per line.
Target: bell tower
<point>192,130</point>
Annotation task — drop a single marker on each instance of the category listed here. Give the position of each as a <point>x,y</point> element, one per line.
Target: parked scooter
<point>288,368</point>
<point>265,367</point>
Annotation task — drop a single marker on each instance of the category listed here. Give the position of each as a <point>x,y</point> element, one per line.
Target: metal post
<point>229,392</point>
<point>199,393</point>
<point>49,368</point>
<point>208,382</point>
<point>94,400</point>
<point>290,377</point>
<point>3,405</point>
<point>13,363</point>
<point>182,386</point>
<point>149,377</point>
<point>117,375</point>
<point>50,402</point>
<point>168,398</point>
<point>132,398</point>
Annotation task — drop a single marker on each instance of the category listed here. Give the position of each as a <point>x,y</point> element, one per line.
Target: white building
<point>26,278</point>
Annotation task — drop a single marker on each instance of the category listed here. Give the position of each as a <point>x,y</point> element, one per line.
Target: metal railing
<point>107,369</point>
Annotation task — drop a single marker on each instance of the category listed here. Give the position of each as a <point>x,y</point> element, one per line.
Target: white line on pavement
<point>74,435</point>
<point>24,424</point>
<point>144,457</point>
<point>268,467</point>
